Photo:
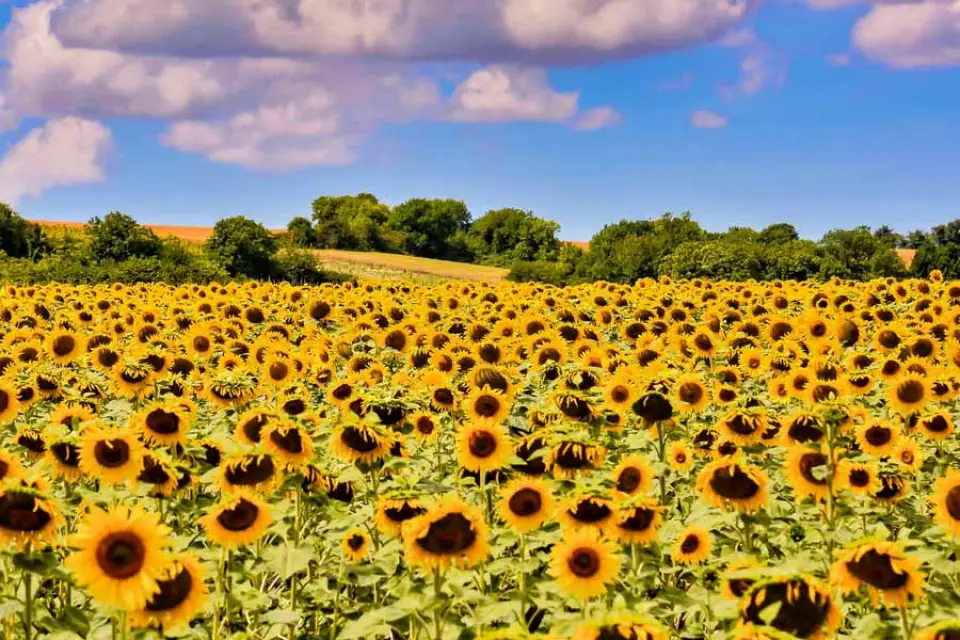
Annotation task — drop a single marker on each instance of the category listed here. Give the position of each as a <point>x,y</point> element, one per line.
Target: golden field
<point>481,460</point>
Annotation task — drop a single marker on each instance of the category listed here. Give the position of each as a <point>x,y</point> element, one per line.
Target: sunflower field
<point>504,462</point>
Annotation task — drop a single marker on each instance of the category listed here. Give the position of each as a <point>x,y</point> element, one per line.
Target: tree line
<point>116,247</point>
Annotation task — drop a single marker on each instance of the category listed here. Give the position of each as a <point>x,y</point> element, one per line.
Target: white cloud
<point>703,119</point>
<point>598,118</point>
<point>507,31</point>
<point>911,35</point>
<point>500,94</point>
<point>67,151</point>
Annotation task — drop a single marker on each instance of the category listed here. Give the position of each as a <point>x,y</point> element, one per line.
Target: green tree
<point>727,258</point>
<point>20,238</point>
<point>428,225</point>
<point>243,246</point>
<point>117,236</point>
<point>858,255</point>
<point>778,233</point>
<point>301,233</point>
<point>506,235</point>
<point>351,222</point>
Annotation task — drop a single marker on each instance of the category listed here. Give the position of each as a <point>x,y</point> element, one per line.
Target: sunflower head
<point>240,519</point>
<point>181,595</point>
<point>795,605</point>
<point>525,503</point>
<point>355,545</point>
<point>450,533</point>
<point>728,483</point>
<point>883,568</point>
<point>693,546</point>
<point>584,564</point>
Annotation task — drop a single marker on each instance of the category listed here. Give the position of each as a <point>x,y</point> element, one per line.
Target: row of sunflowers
<point>505,462</point>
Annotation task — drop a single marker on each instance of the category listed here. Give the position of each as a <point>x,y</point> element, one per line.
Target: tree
<point>20,238</point>
<point>301,233</point>
<point>722,259</point>
<point>778,233</point>
<point>428,226</point>
<point>505,235</point>
<point>243,246</point>
<point>351,222</point>
<point>858,255</point>
<point>117,236</point>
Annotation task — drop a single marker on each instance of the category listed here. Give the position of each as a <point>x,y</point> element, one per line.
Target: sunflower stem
<point>28,612</point>
<point>122,623</point>
<point>437,613</point>
<point>661,452</point>
<point>296,542</point>
<point>747,533</point>
<point>904,623</point>
<point>522,578</point>
<point>336,604</point>
<point>217,602</point>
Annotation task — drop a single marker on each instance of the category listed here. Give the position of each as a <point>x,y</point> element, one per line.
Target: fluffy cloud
<point>703,119</point>
<point>911,35</point>
<point>500,94</point>
<point>67,151</point>
<point>508,31</point>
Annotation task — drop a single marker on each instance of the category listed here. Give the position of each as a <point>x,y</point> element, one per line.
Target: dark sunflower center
<point>733,485</point>
<point>590,512</point>
<point>32,442</point>
<point>111,453</point>
<point>162,422</point>
<point>629,480</point>
<point>355,542</point>
<point>888,339</point>
<point>890,367</point>
<point>482,444</point>
<point>691,392</point>
<point>810,461</point>
<point>253,427</point>
<point>278,371</point>
<point>358,440</point>
<point>487,406</point>
<point>66,454</point>
<point>804,430</point>
<point>653,408</point>
<point>4,401</point>
<point>876,569</point>
<point>859,478</point>
<point>910,392</point>
<point>739,586</point>
<point>343,391</point>
<point>240,517</point>
<point>153,472</point>
<point>121,555</point>
<point>742,425</point>
<point>878,435</point>
<point>64,345</point>
<point>451,534</point>
<point>526,502</point>
<point>690,544</point>
<point>172,593</point>
<point>290,440</point>
<point>404,512</point>
<point>703,342</point>
<point>211,454</point>
<point>19,512</point>
<point>571,457</point>
<point>620,394</point>
<point>680,457</point>
<point>891,487</point>
<point>256,470</point>
<point>424,425</point>
<point>639,519</point>
<point>584,562</point>
<point>799,615</point>
<point>953,503</point>
<point>443,396</point>
<point>936,424</point>
<point>201,344</point>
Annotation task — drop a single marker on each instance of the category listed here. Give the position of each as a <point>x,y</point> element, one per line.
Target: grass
<point>389,266</point>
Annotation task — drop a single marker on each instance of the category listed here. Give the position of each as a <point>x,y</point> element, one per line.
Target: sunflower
<point>526,503</point>
<point>633,476</point>
<point>622,626</point>
<point>586,510</point>
<point>878,438</point>
<point>355,545</point>
<point>569,459</point>
<point>33,441</point>
<point>27,516</point>
<point>342,393</point>
<point>63,346</point>
<point>113,456</point>
<point>426,427</point>
<point>257,472</point>
<point>743,426</point>
<point>584,564</point>
<point>861,478</point>
<point>181,596</point>
<point>288,442</point>
<point>946,502</point>
<point>690,394</point>
<point>618,393</point>
<point>936,426</point>
<point>944,630</point>
<point>893,487</point>
<point>795,605</point>
<point>483,448</point>
<point>240,519</point>
<point>908,455</point>
<point>9,404</point>
<point>450,533</point>
<point>729,484</point>
<point>159,473</point>
<point>487,406</point>
<point>162,423</point>
<point>883,567</point>
<point>807,471</point>
<point>392,513</point>
<point>250,424</point>
<point>120,556</point>
<point>637,521</point>
<point>358,442</point>
<point>693,546</point>
<point>679,456</point>
<point>908,394</point>
<point>71,417</point>
<point>63,456</point>
<point>738,577</point>
<point>10,466</point>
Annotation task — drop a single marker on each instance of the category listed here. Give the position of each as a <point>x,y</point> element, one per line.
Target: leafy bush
<point>244,247</point>
<point>20,238</point>
<point>299,266</point>
<point>118,237</point>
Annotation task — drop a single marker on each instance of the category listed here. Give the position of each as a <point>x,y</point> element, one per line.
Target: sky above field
<point>823,113</point>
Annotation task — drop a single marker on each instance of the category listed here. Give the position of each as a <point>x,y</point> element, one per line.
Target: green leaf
<point>768,614</point>
<point>282,616</point>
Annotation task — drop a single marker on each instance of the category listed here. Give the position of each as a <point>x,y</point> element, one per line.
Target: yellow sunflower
<point>526,503</point>
<point>393,512</point>
<point>797,606</point>
<point>946,503</point>
<point>450,533</point>
<point>622,626</point>
<point>358,442</point>
<point>807,472</point>
<point>584,564</point>
<point>878,438</point>
<point>120,556</point>
<point>27,516</point>
<point>636,521</point>
<point>290,443</point>
<point>355,545</point>
<point>679,456</point>
<point>633,476</point>
<point>887,572</point>
<point>727,483</point>
<point>181,596</point>
<point>483,447</point>
<point>487,405</point>
<point>693,546</point>
<point>908,394</point>
<point>113,456</point>
<point>240,519</point>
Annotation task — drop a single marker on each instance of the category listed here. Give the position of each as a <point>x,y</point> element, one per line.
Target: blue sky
<point>822,116</point>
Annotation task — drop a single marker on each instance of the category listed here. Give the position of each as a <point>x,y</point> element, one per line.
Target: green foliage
<point>244,247</point>
<point>351,222</point>
<point>117,236</point>
<point>506,235</point>
<point>428,226</point>
<point>857,254</point>
<point>301,233</point>
<point>299,266</point>
<point>721,259</point>
<point>20,238</point>
<point>779,233</point>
